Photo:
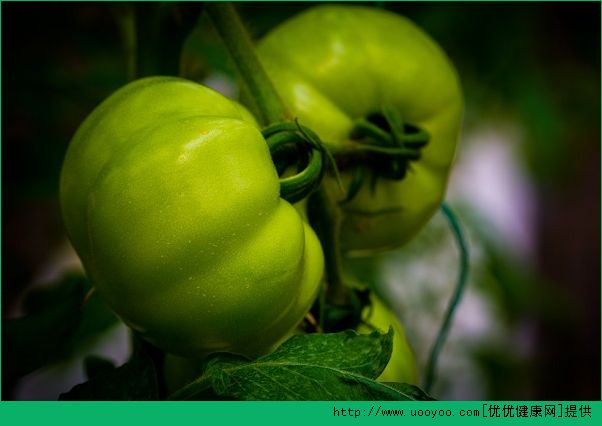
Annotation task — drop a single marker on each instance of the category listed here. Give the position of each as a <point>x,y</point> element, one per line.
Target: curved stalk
<point>454,301</point>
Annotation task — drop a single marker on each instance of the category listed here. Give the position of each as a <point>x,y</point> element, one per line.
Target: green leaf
<point>338,366</point>
<point>136,380</point>
<point>413,392</point>
<point>366,355</point>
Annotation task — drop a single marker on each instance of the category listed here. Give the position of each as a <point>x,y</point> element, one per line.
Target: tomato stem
<point>326,221</point>
<point>236,38</point>
<point>456,297</point>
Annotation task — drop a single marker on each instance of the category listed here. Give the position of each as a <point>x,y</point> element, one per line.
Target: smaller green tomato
<point>336,64</point>
<point>402,365</point>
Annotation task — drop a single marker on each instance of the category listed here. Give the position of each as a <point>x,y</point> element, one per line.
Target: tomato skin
<point>334,64</point>
<point>171,200</point>
<point>402,365</point>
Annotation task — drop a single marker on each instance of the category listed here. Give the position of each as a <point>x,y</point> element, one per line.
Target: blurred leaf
<point>338,366</point>
<point>508,375</point>
<point>515,285</point>
<point>96,315</point>
<point>97,318</point>
<point>40,337</point>
<point>518,289</point>
<point>136,380</point>
<point>546,124</point>
<point>59,322</point>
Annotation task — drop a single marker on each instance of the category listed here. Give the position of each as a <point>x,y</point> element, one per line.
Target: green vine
<point>456,297</point>
<point>233,33</point>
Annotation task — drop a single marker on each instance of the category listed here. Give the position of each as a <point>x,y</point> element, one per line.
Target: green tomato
<point>402,365</point>
<point>171,200</point>
<point>335,64</point>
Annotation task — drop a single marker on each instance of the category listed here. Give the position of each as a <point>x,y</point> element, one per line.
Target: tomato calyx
<point>394,144</point>
<point>385,145</point>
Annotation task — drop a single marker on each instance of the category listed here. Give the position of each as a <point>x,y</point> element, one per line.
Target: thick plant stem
<point>242,51</point>
<point>455,300</point>
<point>326,221</point>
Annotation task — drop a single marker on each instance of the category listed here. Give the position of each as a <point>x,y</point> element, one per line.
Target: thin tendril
<point>357,180</point>
<point>280,134</point>
<point>363,127</point>
<point>311,136</point>
<point>366,147</point>
<point>454,301</point>
<point>395,123</point>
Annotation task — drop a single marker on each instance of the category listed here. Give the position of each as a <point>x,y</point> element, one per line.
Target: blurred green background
<point>526,184</point>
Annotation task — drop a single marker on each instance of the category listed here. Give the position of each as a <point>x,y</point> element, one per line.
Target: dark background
<point>535,64</point>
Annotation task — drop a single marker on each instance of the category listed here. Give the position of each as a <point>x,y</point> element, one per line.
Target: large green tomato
<point>402,365</point>
<point>171,200</point>
<point>335,64</point>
